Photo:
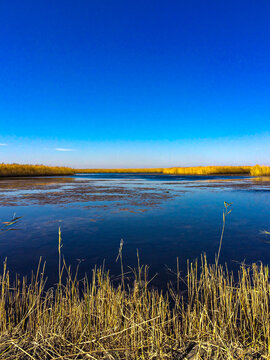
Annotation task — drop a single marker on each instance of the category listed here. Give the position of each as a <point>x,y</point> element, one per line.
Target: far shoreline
<point>21,170</point>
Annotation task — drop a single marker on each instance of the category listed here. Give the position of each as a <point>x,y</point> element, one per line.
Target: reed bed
<point>7,170</point>
<point>260,170</point>
<point>208,170</point>
<point>256,170</point>
<point>210,314</point>
<point>150,170</point>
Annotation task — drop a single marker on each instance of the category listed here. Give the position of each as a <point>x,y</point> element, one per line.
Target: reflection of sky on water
<point>163,216</point>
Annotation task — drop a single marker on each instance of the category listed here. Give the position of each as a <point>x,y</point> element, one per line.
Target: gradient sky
<point>135,83</point>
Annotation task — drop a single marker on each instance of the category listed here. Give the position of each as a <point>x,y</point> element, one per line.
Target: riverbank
<point>12,170</point>
<point>256,170</point>
<point>208,315</point>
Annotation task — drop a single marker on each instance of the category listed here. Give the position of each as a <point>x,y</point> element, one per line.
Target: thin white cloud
<point>1,144</point>
<point>64,149</point>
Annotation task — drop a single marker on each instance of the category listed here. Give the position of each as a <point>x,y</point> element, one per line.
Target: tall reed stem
<point>226,212</point>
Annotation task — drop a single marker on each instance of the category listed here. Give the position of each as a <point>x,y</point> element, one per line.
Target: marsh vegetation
<point>210,314</point>
<point>256,170</point>
<point>7,170</point>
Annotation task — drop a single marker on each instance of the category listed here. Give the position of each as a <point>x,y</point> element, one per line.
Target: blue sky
<point>134,83</point>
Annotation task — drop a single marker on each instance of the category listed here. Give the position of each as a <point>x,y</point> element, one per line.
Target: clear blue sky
<point>135,83</point>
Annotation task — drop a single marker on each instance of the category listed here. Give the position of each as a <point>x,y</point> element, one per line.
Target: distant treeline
<point>256,170</point>
<point>39,170</point>
<point>33,170</point>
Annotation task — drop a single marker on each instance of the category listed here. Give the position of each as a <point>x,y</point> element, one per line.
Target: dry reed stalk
<point>222,317</point>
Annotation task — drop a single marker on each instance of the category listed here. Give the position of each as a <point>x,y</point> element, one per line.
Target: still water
<point>163,216</point>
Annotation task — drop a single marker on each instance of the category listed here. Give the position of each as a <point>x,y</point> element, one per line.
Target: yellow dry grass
<point>208,170</point>
<point>218,317</point>
<point>260,170</point>
<point>256,170</point>
<point>39,170</point>
<point>32,170</point>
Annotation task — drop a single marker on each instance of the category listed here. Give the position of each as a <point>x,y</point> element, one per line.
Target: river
<point>163,216</point>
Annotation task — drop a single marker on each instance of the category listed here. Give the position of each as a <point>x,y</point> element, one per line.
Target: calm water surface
<point>162,216</point>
